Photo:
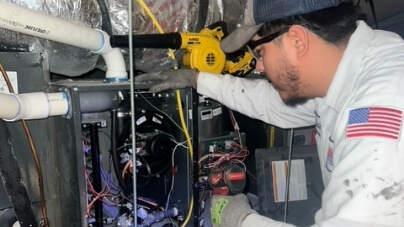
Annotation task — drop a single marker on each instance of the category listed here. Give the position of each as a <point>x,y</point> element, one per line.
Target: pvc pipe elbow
<point>113,57</point>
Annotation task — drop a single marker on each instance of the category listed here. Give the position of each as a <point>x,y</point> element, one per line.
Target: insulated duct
<point>64,60</point>
<point>173,16</point>
<point>37,24</point>
<point>177,16</point>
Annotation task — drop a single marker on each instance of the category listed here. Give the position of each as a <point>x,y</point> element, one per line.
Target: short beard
<point>294,101</point>
<point>295,85</point>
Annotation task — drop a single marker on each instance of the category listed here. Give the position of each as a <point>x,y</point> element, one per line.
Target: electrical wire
<point>44,221</point>
<point>102,195</point>
<point>126,168</point>
<point>218,157</point>
<point>149,173</point>
<point>156,23</point>
<point>179,104</point>
<point>252,176</point>
<point>107,176</point>
<point>236,127</point>
<point>172,172</point>
<point>190,149</point>
<point>160,111</point>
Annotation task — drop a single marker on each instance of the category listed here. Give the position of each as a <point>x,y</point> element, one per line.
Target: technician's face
<point>286,79</point>
<point>283,75</point>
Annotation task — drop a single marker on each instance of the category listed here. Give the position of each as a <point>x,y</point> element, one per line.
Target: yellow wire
<point>191,205</point>
<point>156,23</point>
<point>179,104</point>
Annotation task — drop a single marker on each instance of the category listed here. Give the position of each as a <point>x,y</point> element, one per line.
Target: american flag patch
<point>374,122</point>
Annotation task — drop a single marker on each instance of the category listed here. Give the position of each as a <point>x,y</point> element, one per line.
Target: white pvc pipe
<point>9,106</point>
<point>113,59</point>
<point>58,103</point>
<point>34,23</point>
<point>29,106</point>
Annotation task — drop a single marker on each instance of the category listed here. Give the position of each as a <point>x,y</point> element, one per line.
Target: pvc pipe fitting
<point>36,105</point>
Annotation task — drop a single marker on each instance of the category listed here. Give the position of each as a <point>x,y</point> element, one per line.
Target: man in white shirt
<point>328,69</point>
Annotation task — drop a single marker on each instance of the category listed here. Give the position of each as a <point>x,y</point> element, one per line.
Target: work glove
<point>230,211</point>
<point>170,79</point>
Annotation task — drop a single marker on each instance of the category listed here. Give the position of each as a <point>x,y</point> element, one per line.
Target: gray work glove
<point>230,211</point>
<point>171,79</point>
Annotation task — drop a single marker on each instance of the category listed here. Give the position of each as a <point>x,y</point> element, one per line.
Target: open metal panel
<point>59,144</point>
<point>300,212</point>
<point>70,155</point>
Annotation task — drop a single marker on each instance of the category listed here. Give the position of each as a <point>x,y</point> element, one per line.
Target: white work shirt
<point>360,140</point>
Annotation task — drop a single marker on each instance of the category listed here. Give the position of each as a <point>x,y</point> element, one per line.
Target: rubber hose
<point>106,20</point>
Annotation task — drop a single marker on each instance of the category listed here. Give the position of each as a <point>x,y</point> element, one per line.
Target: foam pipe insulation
<point>37,24</point>
<point>36,105</point>
<point>11,176</point>
<point>7,218</point>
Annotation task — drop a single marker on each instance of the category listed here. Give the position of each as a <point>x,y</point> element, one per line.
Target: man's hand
<point>230,211</point>
<point>171,79</point>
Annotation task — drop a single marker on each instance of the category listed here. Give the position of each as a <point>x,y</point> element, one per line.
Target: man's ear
<point>299,39</point>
